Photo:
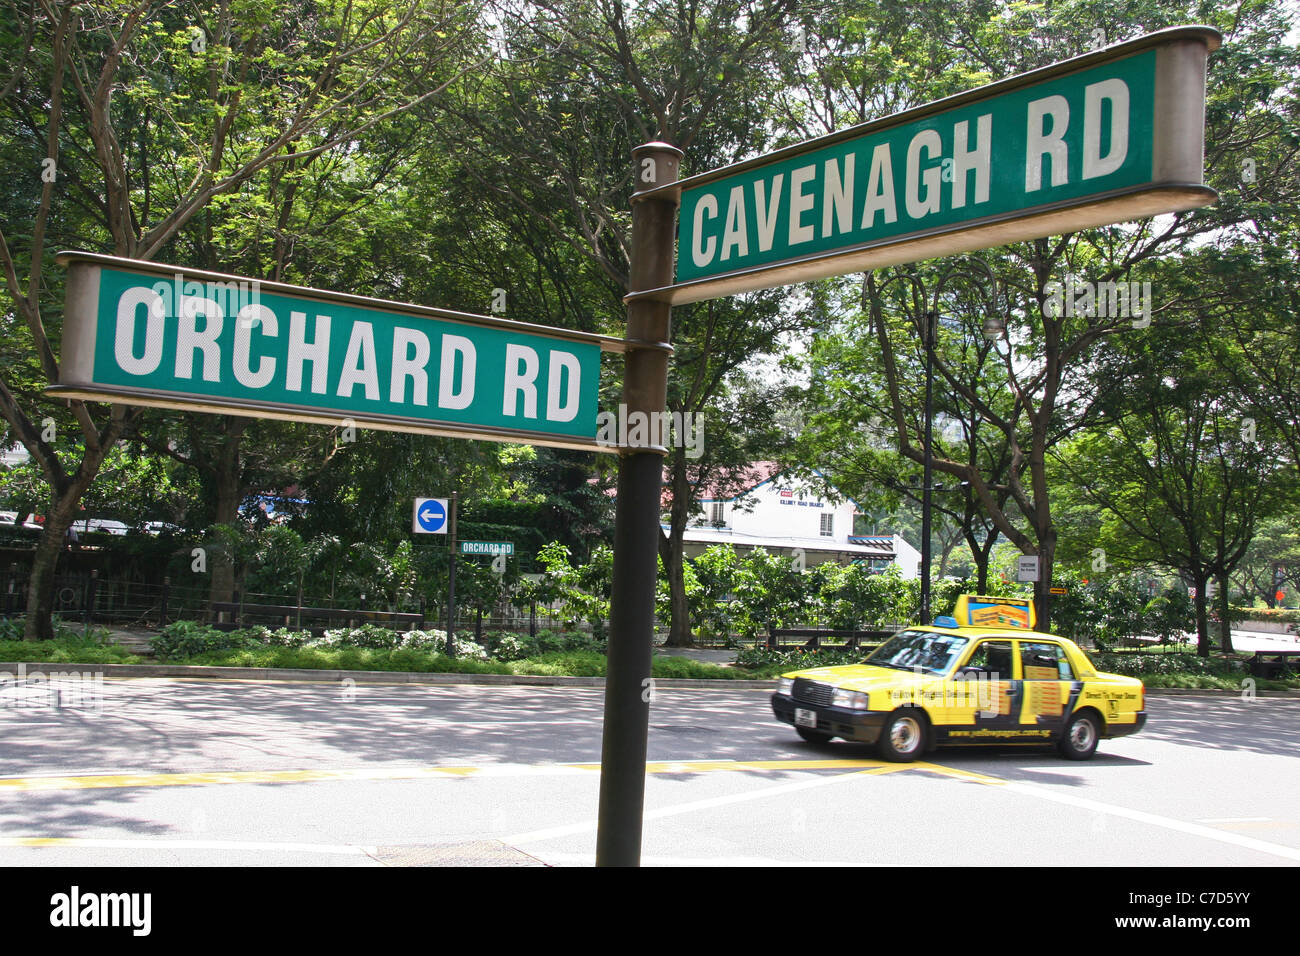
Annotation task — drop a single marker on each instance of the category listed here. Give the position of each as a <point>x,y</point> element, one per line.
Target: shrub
<point>551,641</point>
<point>1142,665</point>
<point>183,639</point>
<point>365,635</point>
<point>507,646</point>
<point>762,658</point>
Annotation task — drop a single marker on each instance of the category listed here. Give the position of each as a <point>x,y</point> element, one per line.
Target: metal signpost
<point>451,576</point>
<point>1106,137</point>
<point>438,516</point>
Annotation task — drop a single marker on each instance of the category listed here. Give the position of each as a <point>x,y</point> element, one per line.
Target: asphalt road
<point>162,772</point>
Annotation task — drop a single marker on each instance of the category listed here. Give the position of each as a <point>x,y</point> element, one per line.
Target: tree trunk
<point>980,554</point>
<point>670,550</point>
<point>40,586</point>
<point>1202,621</point>
<point>229,486</point>
<point>1043,586</point>
<point>1225,627</point>
<point>679,626</point>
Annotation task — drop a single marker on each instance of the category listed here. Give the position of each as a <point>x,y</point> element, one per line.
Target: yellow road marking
<point>165,844</point>
<point>211,778</point>
<point>958,774</point>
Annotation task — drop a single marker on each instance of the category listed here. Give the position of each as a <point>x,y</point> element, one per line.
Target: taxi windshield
<point>924,650</point>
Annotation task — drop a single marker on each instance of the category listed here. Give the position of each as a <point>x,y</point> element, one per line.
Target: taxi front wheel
<point>1079,742</point>
<point>903,738</point>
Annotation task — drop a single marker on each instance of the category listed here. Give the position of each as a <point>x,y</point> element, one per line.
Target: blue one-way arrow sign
<point>430,516</point>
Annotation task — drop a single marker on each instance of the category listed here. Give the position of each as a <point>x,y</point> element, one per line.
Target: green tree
<point>136,119</point>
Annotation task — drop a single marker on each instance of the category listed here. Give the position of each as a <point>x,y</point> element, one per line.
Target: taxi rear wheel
<point>903,738</point>
<point>1079,742</point>
<point>813,736</point>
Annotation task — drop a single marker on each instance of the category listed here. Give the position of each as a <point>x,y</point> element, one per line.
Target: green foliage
<point>1276,615</point>
<point>771,589</point>
<point>183,640</point>
<point>763,662</point>
<point>67,649</point>
<point>715,575</point>
<point>1114,608</point>
<point>670,666</point>
<point>1138,664</point>
<point>583,589</point>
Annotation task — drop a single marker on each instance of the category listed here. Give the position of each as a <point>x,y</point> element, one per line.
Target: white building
<point>779,513</point>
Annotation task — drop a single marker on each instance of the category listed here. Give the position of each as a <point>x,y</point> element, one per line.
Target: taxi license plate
<point>805,718</point>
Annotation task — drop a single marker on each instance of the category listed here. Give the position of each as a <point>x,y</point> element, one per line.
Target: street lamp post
<point>993,328</point>
<point>927,468</point>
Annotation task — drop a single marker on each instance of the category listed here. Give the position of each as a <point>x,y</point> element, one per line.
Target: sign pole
<point>451,577</point>
<point>636,522</point>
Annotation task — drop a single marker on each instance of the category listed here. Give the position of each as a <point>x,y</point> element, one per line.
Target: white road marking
<point>1030,790</point>
<point>1154,819</point>
<point>1236,820</point>
<point>587,826</point>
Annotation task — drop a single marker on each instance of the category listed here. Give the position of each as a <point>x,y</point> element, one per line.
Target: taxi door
<point>985,703</point>
<point>1048,681</point>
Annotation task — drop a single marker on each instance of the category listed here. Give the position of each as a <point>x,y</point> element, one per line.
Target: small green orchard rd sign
<point>139,333</point>
<point>1109,136</point>
<point>493,548</point>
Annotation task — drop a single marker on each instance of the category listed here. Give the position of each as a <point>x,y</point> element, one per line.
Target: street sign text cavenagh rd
<point>139,333</point>
<point>1110,136</point>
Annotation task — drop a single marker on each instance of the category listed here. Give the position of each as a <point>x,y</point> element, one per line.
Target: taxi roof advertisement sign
<point>140,333</point>
<point>976,610</point>
<point>1109,136</point>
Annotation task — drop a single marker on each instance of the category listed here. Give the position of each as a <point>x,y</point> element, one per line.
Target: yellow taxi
<point>980,676</point>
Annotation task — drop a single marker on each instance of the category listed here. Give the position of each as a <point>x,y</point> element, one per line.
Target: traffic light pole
<point>451,578</point>
<point>636,521</point>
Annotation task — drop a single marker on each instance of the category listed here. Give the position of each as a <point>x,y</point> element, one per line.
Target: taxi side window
<point>1044,662</point>
<point>992,658</point>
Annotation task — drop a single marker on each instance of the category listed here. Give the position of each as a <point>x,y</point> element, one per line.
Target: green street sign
<point>488,547</point>
<point>139,333</point>
<point>1109,136</point>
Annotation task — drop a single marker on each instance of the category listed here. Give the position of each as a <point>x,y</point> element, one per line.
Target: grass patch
<point>344,659</point>
<point>683,667</point>
<point>552,664</point>
<point>64,650</point>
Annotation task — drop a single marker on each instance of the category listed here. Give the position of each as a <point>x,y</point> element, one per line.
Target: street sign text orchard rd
<point>1106,137</point>
<point>138,333</point>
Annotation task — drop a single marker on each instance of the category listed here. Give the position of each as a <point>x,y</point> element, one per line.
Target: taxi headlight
<point>785,685</point>
<point>852,699</point>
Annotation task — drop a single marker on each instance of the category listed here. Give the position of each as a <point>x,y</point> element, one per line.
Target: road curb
<point>1213,692</point>
<point>311,675</point>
